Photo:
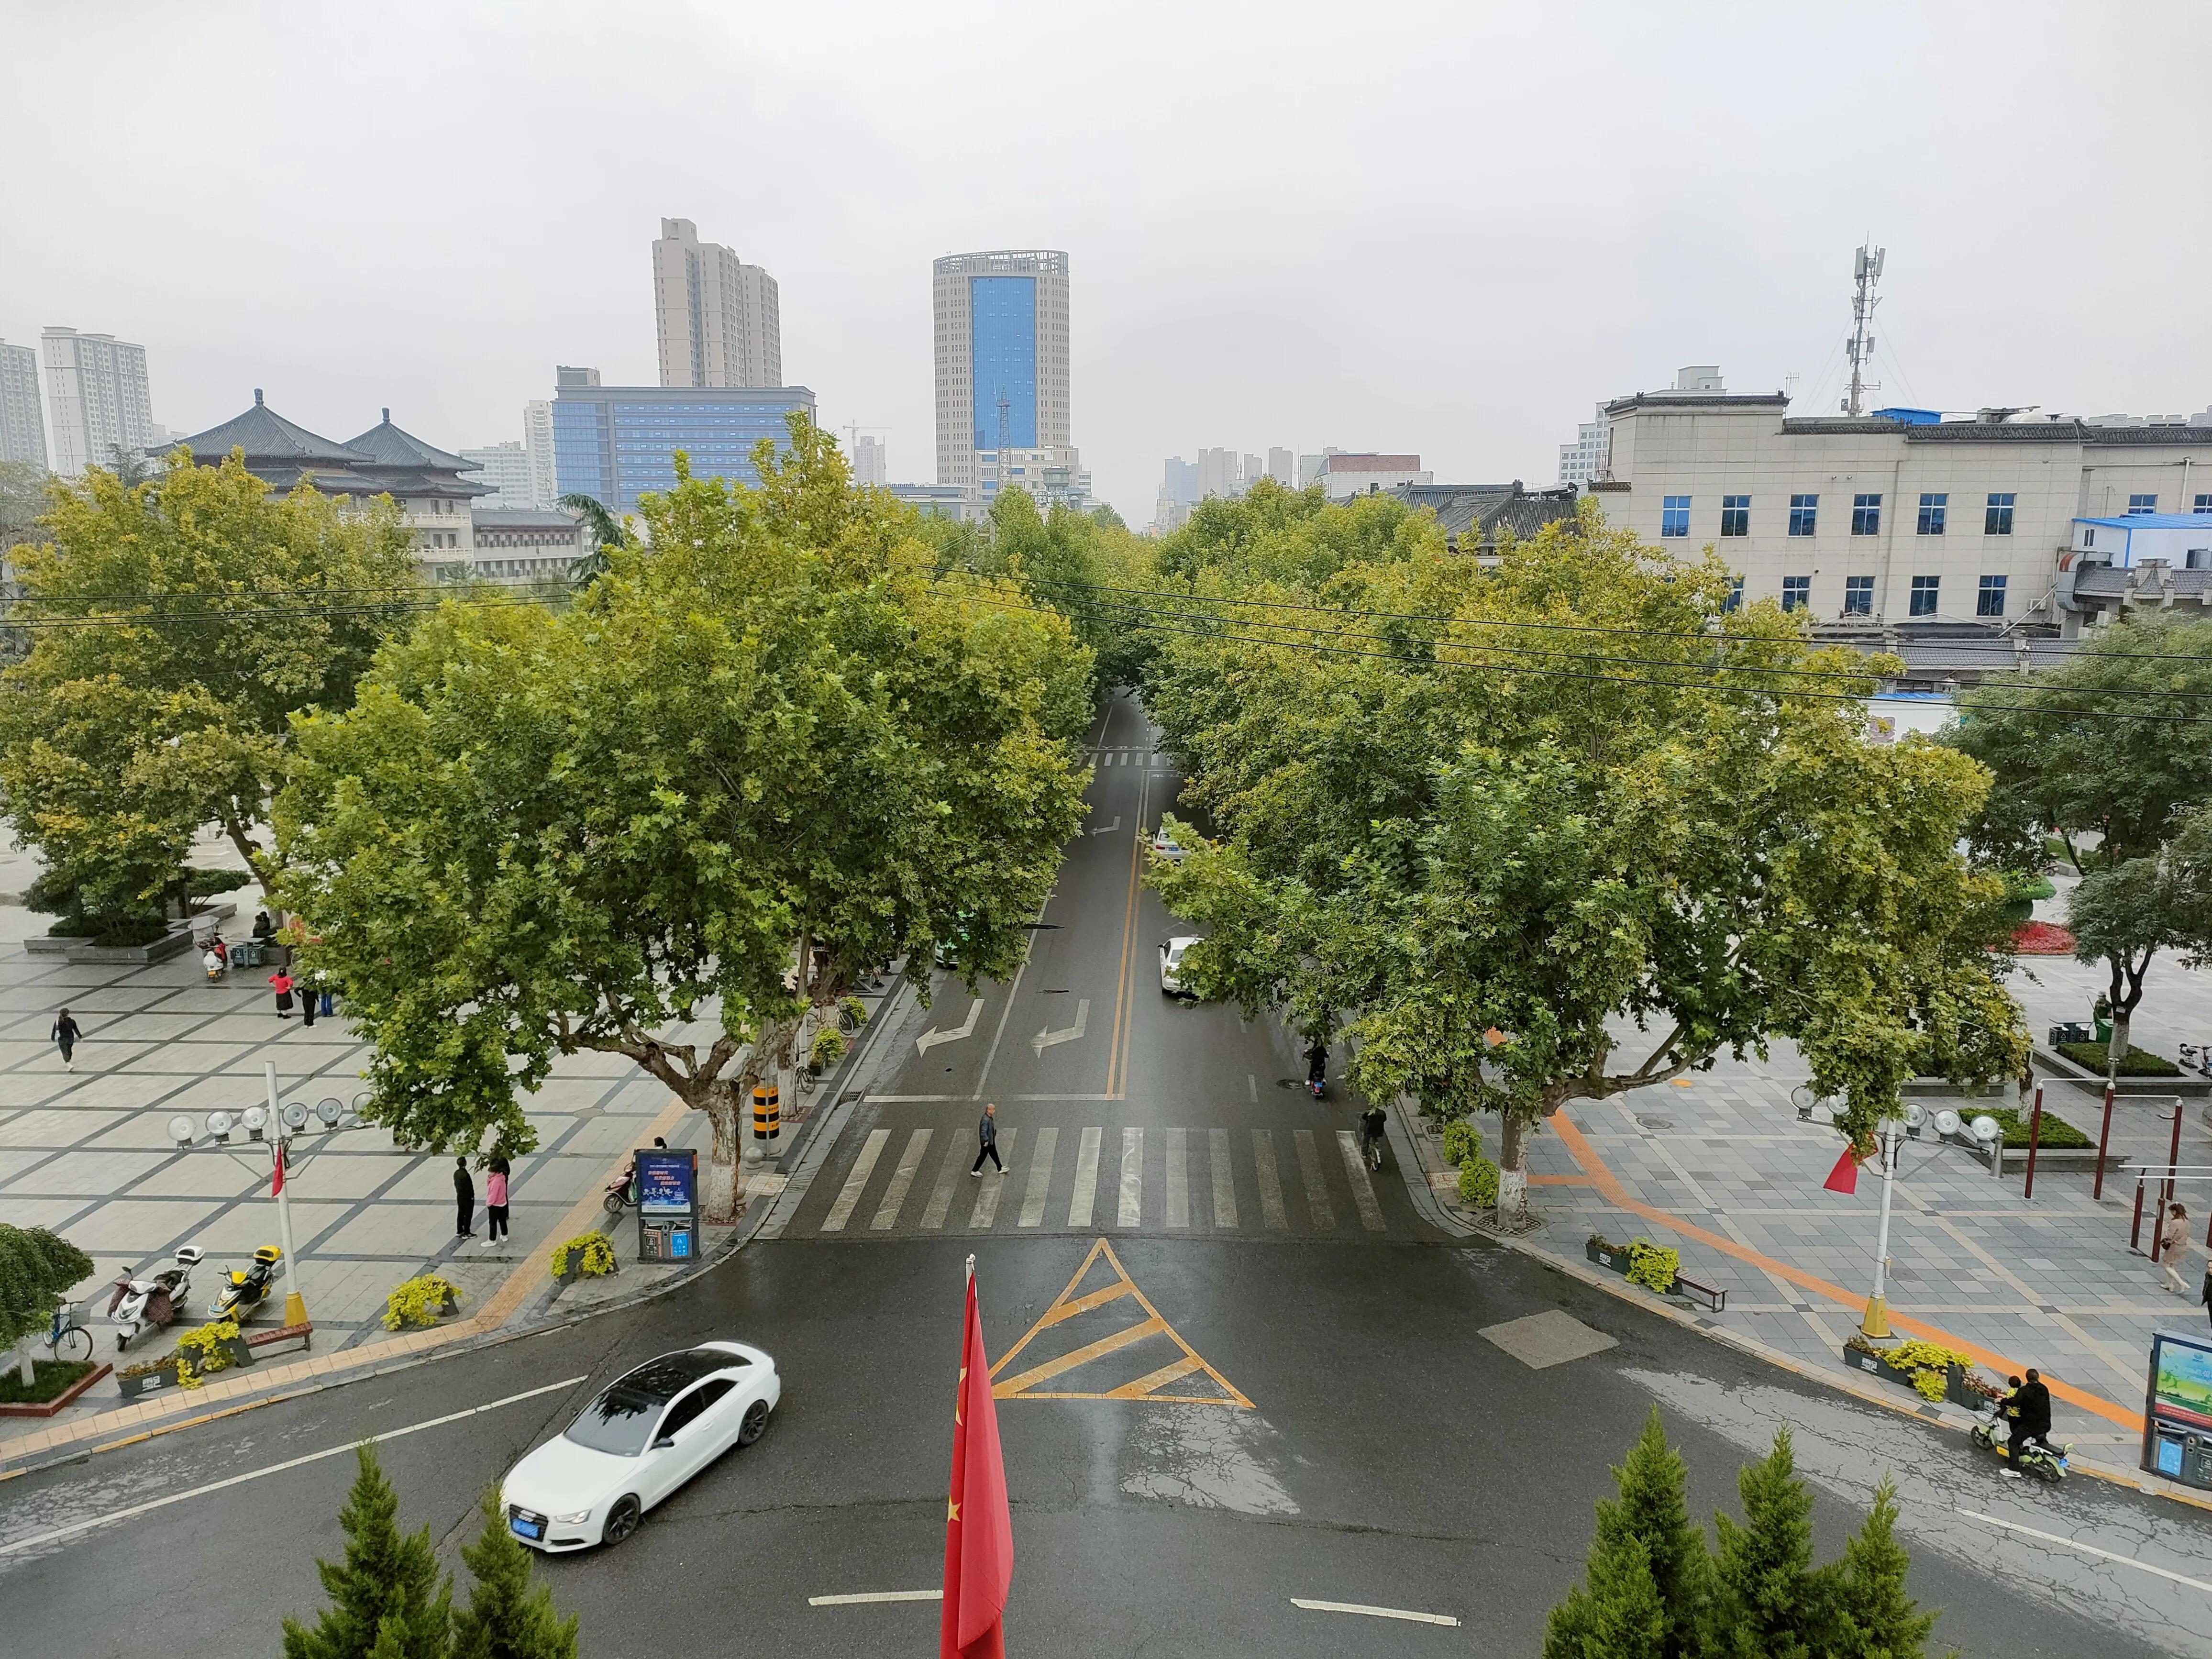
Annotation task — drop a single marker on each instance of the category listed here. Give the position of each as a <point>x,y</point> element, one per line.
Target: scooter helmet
<point>268,1256</point>
<point>190,1256</point>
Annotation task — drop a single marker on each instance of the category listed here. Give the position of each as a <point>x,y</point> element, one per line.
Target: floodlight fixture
<point>1985,1130</point>
<point>330,1111</point>
<point>256,1118</point>
<point>295,1116</point>
<point>1946,1122</point>
<point>180,1130</point>
<point>218,1125</point>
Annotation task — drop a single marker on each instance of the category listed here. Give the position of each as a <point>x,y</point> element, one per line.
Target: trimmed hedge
<point>1461,1141</point>
<point>1478,1183</point>
<point>2139,1062</point>
<point>55,1378</point>
<point>2057,1132</point>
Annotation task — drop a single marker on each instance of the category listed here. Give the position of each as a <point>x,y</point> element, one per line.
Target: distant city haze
<point>1444,230</point>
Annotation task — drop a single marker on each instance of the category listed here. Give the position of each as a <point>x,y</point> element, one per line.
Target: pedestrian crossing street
<point>901,1178</point>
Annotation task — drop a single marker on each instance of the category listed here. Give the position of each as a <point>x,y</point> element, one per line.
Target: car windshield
<point>1174,955</point>
<point>619,1421</point>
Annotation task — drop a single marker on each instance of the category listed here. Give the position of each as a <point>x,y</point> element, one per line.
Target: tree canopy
<point>177,625</point>
<point>1566,828</point>
<point>36,1267</point>
<point>771,755</point>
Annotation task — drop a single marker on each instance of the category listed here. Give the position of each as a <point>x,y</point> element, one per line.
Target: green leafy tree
<point>1764,1592</point>
<point>607,537</point>
<point>1486,820</point>
<point>1868,1613</point>
<point>768,758</point>
<point>179,625</point>
<point>22,499</point>
<point>387,1600</point>
<point>2113,788</point>
<point>508,1617</point>
<point>36,1267</point>
<point>1648,1567</point>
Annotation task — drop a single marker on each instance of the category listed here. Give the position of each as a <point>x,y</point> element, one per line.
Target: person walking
<point>464,1201</point>
<point>282,982</point>
<point>307,1002</point>
<point>495,1203</point>
<point>986,1138</point>
<point>66,1032</point>
<point>2205,1296</point>
<point>2173,1245</point>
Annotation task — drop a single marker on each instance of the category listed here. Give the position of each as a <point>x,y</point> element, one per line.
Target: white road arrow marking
<point>929,1040</point>
<point>1110,828</point>
<point>1045,1039</point>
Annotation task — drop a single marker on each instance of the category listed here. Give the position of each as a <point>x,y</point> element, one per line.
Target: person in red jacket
<point>282,982</point>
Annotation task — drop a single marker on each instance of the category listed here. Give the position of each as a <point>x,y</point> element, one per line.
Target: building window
<point>1735,596</point>
<point>2203,504</point>
<point>1923,595</point>
<point>1996,518</point>
<point>1735,515</point>
<point>1804,514</point>
<point>1674,515</point>
<point>2143,504</point>
<point>1933,511</point>
<point>1859,596</point>
<point>1796,593</point>
<point>1990,601</point>
<point>1865,515</point>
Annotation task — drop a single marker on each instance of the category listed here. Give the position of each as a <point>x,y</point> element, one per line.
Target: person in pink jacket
<point>495,1203</point>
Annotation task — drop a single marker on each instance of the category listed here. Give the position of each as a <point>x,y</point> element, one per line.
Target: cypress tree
<point>1869,1614</point>
<point>1648,1567</point>
<point>1764,1590</point>
<point>386,1599</point>
<point>507,1617</point>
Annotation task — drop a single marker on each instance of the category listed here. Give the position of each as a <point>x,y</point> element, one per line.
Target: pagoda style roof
<point>265,436</point>
<point>413,467</point>
<point>383,461</point>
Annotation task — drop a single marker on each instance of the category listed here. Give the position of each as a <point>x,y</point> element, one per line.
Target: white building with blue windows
<point>999,321</point>
<point>615,443</point>
<point>1901,516</point>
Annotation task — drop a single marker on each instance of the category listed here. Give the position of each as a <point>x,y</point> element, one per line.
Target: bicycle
<point>67,1337</point>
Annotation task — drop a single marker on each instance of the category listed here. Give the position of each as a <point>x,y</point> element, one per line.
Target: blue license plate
<point>529,1529</point>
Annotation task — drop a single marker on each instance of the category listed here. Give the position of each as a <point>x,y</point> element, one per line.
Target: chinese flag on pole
<point>979,1532</point>
<point>1845,1178</point>
<point>276,1181</point>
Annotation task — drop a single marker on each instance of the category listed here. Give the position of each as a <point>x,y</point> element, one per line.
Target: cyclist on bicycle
<point>1371,1134</point>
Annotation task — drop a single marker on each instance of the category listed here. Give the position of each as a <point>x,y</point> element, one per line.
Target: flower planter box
<point>163,1376</point>
<point>66,1397</point>
<point>1618,1261</point>
<point>570,1273</point>
<point>1955,1385</point>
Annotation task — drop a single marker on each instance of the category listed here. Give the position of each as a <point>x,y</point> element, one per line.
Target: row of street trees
<point>1560,829</point>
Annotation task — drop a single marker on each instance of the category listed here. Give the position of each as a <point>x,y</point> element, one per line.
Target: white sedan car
<point>1171,954</point>
<point>1163,846</point>
<point>645,1435</point>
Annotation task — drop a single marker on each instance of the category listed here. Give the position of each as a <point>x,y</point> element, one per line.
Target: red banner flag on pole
<point>979,1531</point>
<point>277,1180</point>
<point>1845,1178</point>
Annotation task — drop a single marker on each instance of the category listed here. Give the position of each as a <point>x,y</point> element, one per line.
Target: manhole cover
<point>1655,1122</point>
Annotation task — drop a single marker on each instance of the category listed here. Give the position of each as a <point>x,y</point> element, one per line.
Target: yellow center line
<point>1116,1064</point>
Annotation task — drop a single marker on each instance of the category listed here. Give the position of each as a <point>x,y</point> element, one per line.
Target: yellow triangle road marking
<point>1074,1302</point>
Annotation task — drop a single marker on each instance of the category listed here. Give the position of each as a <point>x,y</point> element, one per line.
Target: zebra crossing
<point>902,1177</point>
<point>1130,756</point>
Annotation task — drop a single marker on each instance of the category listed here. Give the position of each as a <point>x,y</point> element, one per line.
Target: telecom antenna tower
<point>1866,271</point>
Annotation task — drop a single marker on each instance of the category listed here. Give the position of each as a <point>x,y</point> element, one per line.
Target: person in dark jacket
<point>65,1034</point>
<point>464,1201</point>
<point>2205,1295</point>
<point>2029,1408</point>
<point>987,1140</point>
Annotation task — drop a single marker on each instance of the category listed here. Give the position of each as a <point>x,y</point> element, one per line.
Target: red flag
<point>1845,1178</point>
<point>979,1532</point>
<point>277,1184</point>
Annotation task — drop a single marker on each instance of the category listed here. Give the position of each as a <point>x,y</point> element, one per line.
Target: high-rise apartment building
<point>717,315</point>
<point>1000,320</point>
<point>97,400</point>
<point>23,429</point>
<point>538,445</point>
<point>869,464</point>
<point>1583,462</point>
<point>1278,466</point>
<point>505,468</point>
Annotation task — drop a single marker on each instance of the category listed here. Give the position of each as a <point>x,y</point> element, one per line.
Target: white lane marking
<point>999,1035</point>
<point>75,1527</point>
<point>1375,1612</point>
<point>1133,1178</point>
<point>1318,1203</point>
<point>1108,830</point>
<point>1271,1180</point>
<point>1363,1191</point>
<point>1178,1178</point>
<point>929,1040</point>
<point>1085,1197</point>
<point>948,1180</point>
<point>1252,1088</point>
<point>1040,1186</point>
<point>2088,1549</point>
<point>987,1201</point>
<point>1048,1038</point>
<point>850,1195</point>
<point>901,1178</point>
<point>1224,1179</point>
<point>874,1596</point>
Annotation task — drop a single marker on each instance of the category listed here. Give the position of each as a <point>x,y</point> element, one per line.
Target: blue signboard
<point>667,1183</point>
<point>2178,1410</point>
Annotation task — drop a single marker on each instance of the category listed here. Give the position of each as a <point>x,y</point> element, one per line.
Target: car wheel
<point>756,1420</point>
<point>622,1520</point>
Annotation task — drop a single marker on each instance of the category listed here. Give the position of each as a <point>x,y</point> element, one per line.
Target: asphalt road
<point>1390,1454</point>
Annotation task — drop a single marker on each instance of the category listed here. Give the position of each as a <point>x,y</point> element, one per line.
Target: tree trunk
<point>1512,1171</point>
<point>24,1372</point>
<point>2118,1051</point>
<point>727,1105</point>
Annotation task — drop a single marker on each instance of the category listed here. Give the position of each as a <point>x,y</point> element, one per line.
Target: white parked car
<point>1172,964</point>
<point>1164,849</point>
<point>644,1435</point>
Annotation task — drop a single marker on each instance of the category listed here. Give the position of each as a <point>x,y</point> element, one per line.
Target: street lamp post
<point>1876,1322</point>
<point>295,1305</point>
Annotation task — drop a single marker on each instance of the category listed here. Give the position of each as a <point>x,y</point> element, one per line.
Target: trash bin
<point>247,953</point>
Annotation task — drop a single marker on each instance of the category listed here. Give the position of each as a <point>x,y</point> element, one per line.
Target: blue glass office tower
<point>617,443</point>
<point>1000,320</point>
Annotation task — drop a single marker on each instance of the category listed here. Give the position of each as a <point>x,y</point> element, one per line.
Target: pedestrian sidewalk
<point>1720,1168</point>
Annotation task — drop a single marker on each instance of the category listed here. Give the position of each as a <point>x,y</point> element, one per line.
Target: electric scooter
<point>242,1292</point>
<point>151,1304</point>
<point>1992,1433</point>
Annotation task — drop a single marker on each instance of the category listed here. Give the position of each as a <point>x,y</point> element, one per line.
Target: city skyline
<point>1198,313</point>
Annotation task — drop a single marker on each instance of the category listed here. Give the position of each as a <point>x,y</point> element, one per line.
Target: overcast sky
<point>1447,228</point>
